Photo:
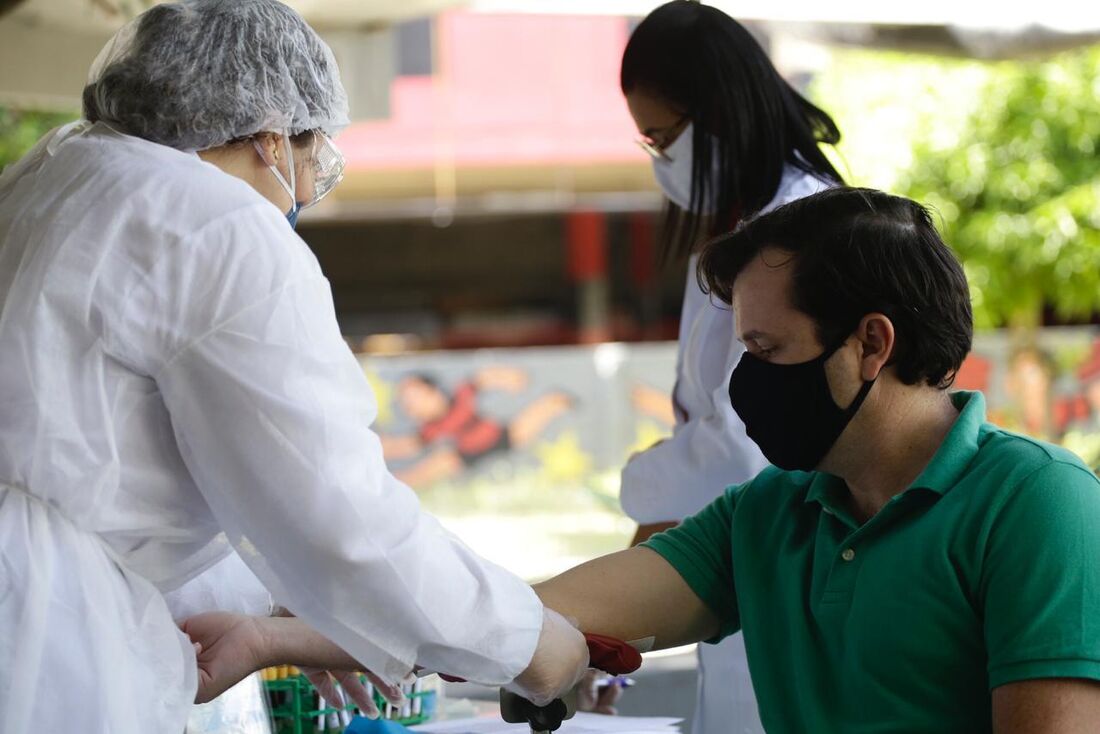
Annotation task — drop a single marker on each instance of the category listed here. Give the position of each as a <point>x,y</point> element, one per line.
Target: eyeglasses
<point>660,139</point>
<point>328,167</point>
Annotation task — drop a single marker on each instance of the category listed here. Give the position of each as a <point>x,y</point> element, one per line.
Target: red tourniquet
<point>604,653</point>
<point>611,655</point>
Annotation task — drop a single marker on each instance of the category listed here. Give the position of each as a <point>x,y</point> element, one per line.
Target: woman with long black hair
<point>730,139</point>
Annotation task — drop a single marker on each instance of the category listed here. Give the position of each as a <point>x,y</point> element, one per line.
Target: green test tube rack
<point>296,708</point>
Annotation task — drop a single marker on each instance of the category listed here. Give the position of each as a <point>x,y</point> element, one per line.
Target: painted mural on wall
<point>450,431</point>
<point>563,412</point>
<point>567,413</point>
<point>1047,387</point>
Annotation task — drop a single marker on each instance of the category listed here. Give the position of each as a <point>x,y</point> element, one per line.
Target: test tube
<point>321,708</point>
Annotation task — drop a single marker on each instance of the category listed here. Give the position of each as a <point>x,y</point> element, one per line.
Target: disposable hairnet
<point>198,73</point>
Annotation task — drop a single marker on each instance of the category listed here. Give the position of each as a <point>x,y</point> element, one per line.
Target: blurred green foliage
<point>21,129</point>
<point>1019,190</point>
<point>1008,153</point>
<point>884,100</point>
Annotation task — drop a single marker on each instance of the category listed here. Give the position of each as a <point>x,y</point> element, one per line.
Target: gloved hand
<point>559,662</point>
<point>325,682</point>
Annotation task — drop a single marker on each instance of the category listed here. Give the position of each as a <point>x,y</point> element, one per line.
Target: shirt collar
<point>948,464</point>
<point>959,447</point>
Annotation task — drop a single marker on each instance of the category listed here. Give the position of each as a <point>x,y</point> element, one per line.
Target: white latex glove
<point>325,681</point>
<point>559,662</point>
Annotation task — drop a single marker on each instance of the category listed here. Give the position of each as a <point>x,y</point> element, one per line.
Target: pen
<point>616,680</point>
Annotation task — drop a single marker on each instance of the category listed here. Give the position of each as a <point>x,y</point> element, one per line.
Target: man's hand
<point>229,647</point>
<point>593,697</point>
<point>559,661</point>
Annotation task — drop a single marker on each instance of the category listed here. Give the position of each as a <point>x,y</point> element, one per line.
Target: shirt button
<point>848,554</point>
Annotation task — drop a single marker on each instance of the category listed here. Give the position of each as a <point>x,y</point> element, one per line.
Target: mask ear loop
<point>863,390</point>
<point>860,397</point>
<point>291,187</point>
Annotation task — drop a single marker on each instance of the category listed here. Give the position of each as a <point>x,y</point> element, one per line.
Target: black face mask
<point>788,409</point>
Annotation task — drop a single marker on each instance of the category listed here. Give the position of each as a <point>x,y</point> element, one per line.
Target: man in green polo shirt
<point>905,566</point>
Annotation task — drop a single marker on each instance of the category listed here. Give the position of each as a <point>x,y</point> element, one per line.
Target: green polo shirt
<point>985,571</point>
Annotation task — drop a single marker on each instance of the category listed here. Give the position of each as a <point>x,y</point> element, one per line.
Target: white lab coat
<point>707,452</point>
<point>173,383</point>
<point>228,586</point>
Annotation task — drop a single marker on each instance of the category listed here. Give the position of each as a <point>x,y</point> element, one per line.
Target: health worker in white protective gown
<point>729,139</point>
<point>173,387</point>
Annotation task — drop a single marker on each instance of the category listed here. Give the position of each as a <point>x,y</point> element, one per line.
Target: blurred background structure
<point>492,248</point>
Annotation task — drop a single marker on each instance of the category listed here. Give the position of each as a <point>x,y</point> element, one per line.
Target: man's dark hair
<point>855,252</point>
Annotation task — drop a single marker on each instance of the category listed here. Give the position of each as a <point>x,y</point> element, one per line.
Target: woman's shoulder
<point>182,220</point>
<point>162,182</point>
<point>797,183</point>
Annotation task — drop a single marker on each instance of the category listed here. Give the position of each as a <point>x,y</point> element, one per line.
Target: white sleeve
<point>711,450</point>
<point>686,472</point>
<point>228,586</point>
<point>271,413</point>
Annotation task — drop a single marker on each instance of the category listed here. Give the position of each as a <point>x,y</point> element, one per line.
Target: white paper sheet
<point>582,723</point>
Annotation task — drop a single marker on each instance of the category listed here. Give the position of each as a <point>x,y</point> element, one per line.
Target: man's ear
<point>876,337</point>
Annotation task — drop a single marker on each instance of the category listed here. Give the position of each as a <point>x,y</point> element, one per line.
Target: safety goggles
<point>328,167</point>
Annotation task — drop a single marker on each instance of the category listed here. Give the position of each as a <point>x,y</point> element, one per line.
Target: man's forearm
<point>1047,706</point>
<point>631,595</point>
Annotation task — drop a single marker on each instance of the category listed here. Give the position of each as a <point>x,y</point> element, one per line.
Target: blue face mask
<point>292,215</point>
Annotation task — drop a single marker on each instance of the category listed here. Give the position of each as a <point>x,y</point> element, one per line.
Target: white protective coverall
<point>173,383</point>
